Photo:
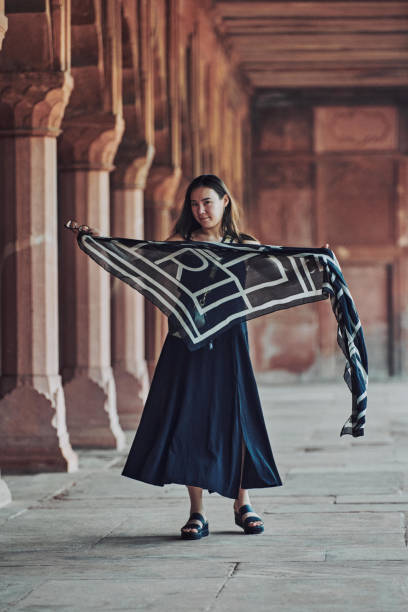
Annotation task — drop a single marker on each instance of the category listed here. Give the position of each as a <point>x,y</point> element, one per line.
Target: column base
<point>5,495</point>
<point>132,390</point>
<point>92,417</point>
<point>34,436</point>
<point>151,366</point>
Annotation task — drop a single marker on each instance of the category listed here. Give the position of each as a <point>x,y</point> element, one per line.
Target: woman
<point>203,406</point>
<point>202,423</point>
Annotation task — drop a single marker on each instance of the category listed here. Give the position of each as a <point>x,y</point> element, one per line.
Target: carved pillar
<point>88,145</point>
<point>32,408</point>
<point>128,318</point>
<point>165,174</point>
<point>3,23</point>
<point>5,496</point>
<point>160,193</point>
<point>401,280</point>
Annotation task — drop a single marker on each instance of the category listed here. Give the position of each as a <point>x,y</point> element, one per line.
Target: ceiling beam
<point>322,42</point>
<point>266,25</point>
<point>315,43</point>
<point>312,9</point>
<point>329,77</point>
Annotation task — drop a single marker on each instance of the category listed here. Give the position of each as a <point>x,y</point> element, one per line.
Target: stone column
<point>161,188</point>
<point>5,496</point>
<point>88,145</point>
<point>32,408</point>
<point>401,281</point>
<point>128,320</point>
<point>3,22</point>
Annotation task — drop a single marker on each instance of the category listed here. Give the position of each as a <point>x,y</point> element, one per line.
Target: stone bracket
<point>33,102</point>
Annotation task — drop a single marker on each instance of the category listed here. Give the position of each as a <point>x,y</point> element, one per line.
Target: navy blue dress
<point>200,405</point>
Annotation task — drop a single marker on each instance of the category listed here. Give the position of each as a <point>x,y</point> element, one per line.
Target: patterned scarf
<point>206,287</point>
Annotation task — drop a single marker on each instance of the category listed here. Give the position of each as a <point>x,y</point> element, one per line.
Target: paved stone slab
<point>278,570</point>
<point>372,499</point>
<point>340,522</point>
<point>321,508</point>
<point>95,568</point>
<point>121,595</point>
<point>38,486</point>
<point>313,594</point>
<point>375,436</point>
<point>345,483</point>
<point>13,589</point>
<point>24,583</point>
<point>370,554</point>
<point>335,538</point>
<point>336,456</point>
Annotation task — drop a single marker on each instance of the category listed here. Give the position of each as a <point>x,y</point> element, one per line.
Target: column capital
<point>90,142</point>
<point>162,185</point>
<point>33,103</point>
<point>132,165</point>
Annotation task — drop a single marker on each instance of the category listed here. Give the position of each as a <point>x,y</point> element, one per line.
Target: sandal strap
<point>245,508</point>
<point>197,515</point>
<point>250,519</point>
<point>192,526</point>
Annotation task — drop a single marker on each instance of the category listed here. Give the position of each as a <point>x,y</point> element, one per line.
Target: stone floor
<point>335,538</point>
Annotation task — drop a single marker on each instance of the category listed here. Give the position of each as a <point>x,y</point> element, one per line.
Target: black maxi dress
<point>200,406</point>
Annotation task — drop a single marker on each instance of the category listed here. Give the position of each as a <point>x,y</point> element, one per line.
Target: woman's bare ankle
<point>199,509</point>
<point>242,499</point>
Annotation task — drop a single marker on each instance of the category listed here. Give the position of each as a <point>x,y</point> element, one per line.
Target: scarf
<point>205,287</point>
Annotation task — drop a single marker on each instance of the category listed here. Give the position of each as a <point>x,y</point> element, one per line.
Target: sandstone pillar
<point>3,22</point>
<point>5,496</point>
<point>87,148</point>
<point>128,319</point>
<point>161,188</point>
<point>32,408</point>
<point>401,280</point>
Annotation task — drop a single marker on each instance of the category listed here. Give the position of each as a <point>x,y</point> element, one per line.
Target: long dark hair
<point>186,223</point>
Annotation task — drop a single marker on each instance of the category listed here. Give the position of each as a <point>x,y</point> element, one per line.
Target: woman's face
<point>207,207</point>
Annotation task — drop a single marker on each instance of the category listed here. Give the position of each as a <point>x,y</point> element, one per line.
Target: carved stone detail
<point>132,166</point>
<point>34,102</point>
<point>358,128</point>
<point>32,408</point>
<point>91,142</point>
<point>162,186</point>
<point>89,390</point>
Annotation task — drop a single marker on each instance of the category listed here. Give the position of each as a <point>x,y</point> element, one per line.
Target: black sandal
<point>202,530</point>
<point>248,529</point>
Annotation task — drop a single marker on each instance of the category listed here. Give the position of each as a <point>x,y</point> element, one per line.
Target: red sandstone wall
<point>324,172</point>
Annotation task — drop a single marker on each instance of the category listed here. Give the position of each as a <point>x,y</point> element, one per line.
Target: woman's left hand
<point>325,246</point>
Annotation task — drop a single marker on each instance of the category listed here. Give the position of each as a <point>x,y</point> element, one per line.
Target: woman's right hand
<point>73,225</point>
